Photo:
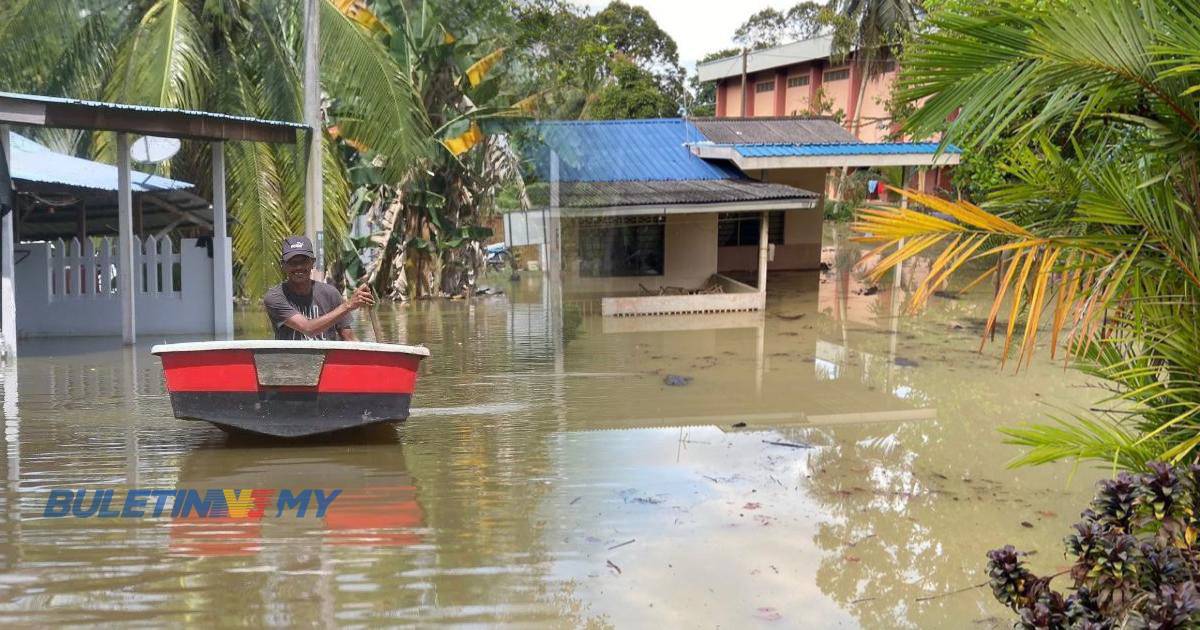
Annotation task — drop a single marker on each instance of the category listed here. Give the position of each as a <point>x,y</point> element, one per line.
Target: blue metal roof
<point>628,150</point>
<point>856,148</point>
<point>34,162</point>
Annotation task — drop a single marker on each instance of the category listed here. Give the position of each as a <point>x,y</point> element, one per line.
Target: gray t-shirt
<point>281,304</point>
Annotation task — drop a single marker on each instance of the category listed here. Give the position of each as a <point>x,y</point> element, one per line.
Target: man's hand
<point>361,297</point>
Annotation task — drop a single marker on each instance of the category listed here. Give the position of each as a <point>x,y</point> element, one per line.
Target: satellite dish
<point>152,149</point>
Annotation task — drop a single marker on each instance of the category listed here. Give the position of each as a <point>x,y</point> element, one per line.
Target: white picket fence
<point>69,288</point>
<point>81,272</point>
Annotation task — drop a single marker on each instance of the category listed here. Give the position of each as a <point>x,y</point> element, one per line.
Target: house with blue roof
<point>677,215</point>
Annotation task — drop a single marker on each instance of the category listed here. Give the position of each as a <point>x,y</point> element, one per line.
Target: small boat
<point>290,388</point>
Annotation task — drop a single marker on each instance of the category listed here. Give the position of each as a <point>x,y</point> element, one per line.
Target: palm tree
<point>237,57</point>
<point>1098,225</point>
<point>871,30</point>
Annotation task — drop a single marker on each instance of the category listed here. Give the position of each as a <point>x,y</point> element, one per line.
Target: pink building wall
<point>795,100</point>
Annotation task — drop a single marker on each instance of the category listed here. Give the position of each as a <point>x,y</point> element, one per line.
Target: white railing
<point>69,288</point>
<point>90,271</point>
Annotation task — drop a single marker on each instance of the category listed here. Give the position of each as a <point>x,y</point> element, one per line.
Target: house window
<point>889,65</point>
<point>741,228</point>
<point>623,246</point>
<point>837,75</point>
<point>764,86</point>
<point>799,81</point>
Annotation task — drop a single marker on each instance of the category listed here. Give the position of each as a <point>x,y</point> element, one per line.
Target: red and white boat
<point>290,388</point>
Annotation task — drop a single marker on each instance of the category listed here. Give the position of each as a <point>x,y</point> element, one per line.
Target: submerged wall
<point>68,290</point>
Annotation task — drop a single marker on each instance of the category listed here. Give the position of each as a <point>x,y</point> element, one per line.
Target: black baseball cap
<point>297,246</point>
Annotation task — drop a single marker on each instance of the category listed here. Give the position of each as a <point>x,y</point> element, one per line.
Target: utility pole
<point>314,214</point>
<point>745,92</point>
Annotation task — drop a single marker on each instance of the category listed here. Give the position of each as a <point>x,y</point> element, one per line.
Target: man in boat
<point>302,308</point>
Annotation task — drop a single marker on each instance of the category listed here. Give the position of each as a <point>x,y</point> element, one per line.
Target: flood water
<point>549,477</point>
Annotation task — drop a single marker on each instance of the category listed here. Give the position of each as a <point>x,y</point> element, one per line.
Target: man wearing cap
<point>303,308</point>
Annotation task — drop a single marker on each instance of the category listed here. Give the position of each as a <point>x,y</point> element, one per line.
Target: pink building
<point>790,79</point>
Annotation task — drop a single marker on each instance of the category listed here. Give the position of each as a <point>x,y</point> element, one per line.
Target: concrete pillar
<point>222,254</point>
<point>921,183</point>
<point>856,84</point>
<point>749,94</point>
<point>781,92</point>
<point>722,101</point>
<point>763,247</point>
<point>816,77</point>
<point>8,290</point>
<point>126,292</point>
<point>314,217</point>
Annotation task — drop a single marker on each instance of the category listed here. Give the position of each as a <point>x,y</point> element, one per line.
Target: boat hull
<point>290,389</point>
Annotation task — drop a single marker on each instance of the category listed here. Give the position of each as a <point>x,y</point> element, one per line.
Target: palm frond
<point>377,105</point>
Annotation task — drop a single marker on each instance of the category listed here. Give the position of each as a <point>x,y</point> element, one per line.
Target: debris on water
<point>633,496</point>
<point>488,291</point>
<point>948,295</point>
<point>955,325</point>
<point>791,317</point>
<point>627,542</point>
<point>824,266</point>
<point>903,362</point>
<point>768,614</point>
<point>575,500</point>
<point>675,380</point>
<point>751,505</point>
<point>1027,524</point>
<point>613,566</point>
<point>788,444</point>
<point>738,425</point>
<point>871,290</point>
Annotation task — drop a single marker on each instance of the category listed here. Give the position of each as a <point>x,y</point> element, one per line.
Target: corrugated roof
<point>150,109</point>
<point>756,60</point>
<point>628,150</point>
<point>668,192</point>
<point>774,130</point>
<point>858,148</point>
<point>34,162</point>
<point>49,111</point>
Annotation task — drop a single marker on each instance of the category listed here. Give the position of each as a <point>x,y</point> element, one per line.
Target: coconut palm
<point>232,56</point>
<point>1098,225</point>
<point>872,30</point>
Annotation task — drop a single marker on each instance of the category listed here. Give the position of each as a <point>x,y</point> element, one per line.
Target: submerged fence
<point>71,288</point>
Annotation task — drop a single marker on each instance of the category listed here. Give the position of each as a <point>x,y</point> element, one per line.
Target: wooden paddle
<point>374,316</point>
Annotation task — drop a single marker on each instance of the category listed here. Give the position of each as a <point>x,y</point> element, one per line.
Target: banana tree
<point>428,224</point>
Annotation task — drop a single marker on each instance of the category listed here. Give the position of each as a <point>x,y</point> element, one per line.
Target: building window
<point>741,228</point>
<point>764,86</point>
<point>623,246</point>
<point>840,74</point>
<point>799,81</point>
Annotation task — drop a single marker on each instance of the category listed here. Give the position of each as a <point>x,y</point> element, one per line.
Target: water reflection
<point>543,439</point>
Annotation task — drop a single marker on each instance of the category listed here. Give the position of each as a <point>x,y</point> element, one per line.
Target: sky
<point>699,26</point>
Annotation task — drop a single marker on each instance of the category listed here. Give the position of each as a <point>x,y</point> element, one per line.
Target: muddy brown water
<point>549,476</point>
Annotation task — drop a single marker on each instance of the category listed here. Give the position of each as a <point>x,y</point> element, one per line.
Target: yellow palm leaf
<point>357,11</point>
<point>462,143</point>
<point>479,69</point>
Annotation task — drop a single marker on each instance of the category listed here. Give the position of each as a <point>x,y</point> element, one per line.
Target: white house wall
<point>161,310</point>
<point>689,259</point>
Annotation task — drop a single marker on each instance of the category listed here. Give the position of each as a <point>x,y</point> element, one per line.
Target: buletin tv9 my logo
<point>189,503</point>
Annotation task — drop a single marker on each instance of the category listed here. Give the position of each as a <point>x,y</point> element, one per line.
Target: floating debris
<point>675,380</point>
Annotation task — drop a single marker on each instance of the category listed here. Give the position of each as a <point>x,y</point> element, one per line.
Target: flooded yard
<point>830,462</point>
